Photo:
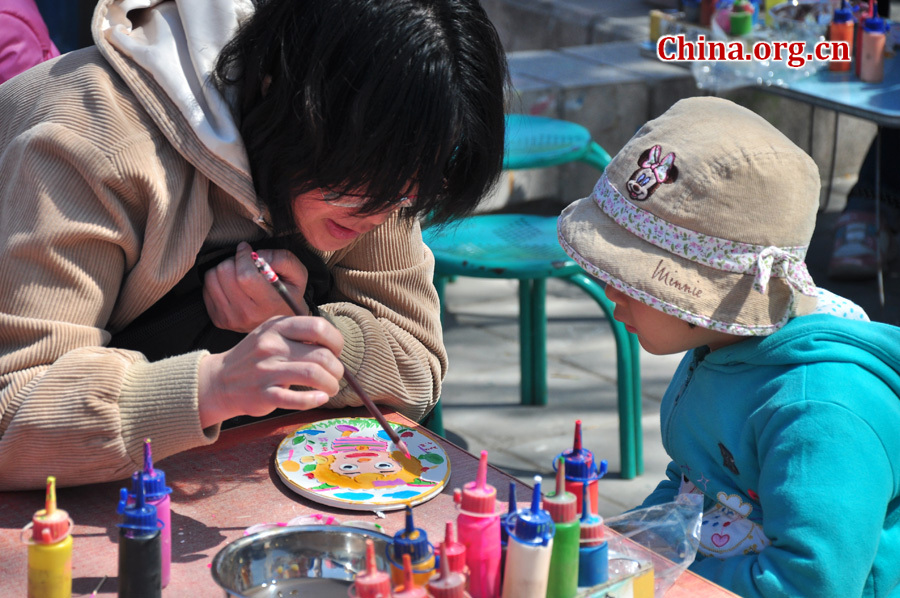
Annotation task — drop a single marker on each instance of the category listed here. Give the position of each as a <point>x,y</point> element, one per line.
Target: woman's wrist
<point>210,405</point>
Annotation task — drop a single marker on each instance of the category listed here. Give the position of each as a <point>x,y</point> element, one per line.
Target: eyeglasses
<point>347,200</point>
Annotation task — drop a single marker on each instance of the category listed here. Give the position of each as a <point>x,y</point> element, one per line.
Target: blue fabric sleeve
<point>825,481</point>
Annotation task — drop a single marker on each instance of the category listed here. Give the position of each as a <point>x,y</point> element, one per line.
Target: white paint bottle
<point>528,550</point>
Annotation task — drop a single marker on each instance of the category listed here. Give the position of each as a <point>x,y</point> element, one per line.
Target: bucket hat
<point>706,214</point>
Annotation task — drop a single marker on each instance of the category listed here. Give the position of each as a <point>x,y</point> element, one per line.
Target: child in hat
<point>783,417</point>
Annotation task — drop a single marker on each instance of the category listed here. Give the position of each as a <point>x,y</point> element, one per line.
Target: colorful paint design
<point>351,463</point>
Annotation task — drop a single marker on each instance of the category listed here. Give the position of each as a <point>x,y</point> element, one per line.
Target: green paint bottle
<point>563,508</point>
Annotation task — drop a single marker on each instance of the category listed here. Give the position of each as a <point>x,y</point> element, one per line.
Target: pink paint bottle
<point>871,56</point>
<point>582,468</point>
<point>157,494</point>
<point>373,583</point>
<point>449,584</point>
<point>478,528</point>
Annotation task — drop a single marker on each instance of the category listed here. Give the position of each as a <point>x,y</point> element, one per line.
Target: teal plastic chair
<point>525,247</point>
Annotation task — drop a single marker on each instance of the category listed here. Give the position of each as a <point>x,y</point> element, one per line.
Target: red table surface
<point>218,492</point>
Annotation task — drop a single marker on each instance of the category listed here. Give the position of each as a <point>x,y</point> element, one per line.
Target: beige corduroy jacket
<point>109,189</point>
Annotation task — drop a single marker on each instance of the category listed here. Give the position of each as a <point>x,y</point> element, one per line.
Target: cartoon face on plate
<point>362,462</point>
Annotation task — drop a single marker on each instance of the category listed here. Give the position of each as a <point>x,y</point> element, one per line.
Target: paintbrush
<point>266,270</point>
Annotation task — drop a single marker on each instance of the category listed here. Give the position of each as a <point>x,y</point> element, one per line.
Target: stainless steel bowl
<point>296,562</point>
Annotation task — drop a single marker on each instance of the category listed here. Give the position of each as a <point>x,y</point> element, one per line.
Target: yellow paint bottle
<point>50,550</point>
<point>412,541</point>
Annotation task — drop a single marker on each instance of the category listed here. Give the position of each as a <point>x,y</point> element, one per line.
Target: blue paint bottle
<point>593,554</point>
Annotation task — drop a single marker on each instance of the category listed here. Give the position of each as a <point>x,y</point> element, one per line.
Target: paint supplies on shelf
<point>478,528</point>
<point>581,468</point>
<point>411,541</point>
<point>50,549</point>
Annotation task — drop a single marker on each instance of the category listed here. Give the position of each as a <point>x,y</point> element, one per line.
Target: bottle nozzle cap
<point>154,480</point>
<point>412,541</point>
<point>139,515</point>
<point>581,466</point>
<point>409,589</point>
<point>452,551</point>
<point>562,505</point>
<point>842,14</point>
<point>50,524</point>
<point>372,582</point>
<point>479,496</point>
<point>591,525</point>
<point>449,584</point>
<point>531,526</point>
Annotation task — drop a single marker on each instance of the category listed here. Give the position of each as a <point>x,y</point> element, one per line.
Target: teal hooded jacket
<point>794,441</point>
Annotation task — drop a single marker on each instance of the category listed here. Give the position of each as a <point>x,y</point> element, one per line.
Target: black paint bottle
<point>140,546</point>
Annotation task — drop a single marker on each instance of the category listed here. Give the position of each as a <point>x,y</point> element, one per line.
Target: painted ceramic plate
<point>351,463</point>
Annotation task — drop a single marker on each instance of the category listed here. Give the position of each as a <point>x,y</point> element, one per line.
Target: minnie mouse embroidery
<point>652,173</point>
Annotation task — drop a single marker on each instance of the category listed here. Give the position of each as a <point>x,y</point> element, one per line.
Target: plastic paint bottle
<point>374,583</point>
<point>452,551</point>
<point>504,535</point>
<point>593,554</point>
<point>478,527</point>
<point>411,541</point>
<point>871,69</point>
<point>841,30</point>
<point>562,506</point>
<point>691,10</point>
<point>741,18</point>
<point>409,589</point>
<point>140,556</point>
<point>707,8</point>
<point>449,584</point>
<point>857,48</point>
<point>157,493</point>
<point>582,468</point>
<point>50,549</point>
<point>529,549</point>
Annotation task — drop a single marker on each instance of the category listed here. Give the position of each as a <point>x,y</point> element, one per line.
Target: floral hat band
<point>760,261</point>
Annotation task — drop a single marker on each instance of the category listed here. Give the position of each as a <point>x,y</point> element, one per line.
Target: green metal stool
<point>525,247</point>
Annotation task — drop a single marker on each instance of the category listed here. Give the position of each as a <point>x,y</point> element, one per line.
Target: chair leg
<point>636,404</point>
<point>434,421</point>
<point>627,378</point>
<point>526,352</point>
<point>539,344</point>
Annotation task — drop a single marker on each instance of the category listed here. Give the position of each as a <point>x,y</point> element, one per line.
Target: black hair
<point>370,94</point>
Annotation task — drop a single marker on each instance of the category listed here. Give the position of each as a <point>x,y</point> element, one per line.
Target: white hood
<point>175,43</point>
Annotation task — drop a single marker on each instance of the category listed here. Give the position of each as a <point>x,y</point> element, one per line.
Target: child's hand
<point>239,298</point>
<point>263,371</point>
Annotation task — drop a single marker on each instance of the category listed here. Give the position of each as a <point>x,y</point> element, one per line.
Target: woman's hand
<point>239,298</point>
<point>255,377</point>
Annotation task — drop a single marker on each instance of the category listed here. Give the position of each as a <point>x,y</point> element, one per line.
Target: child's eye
<point>384,465</point>
<point>348,467</point>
